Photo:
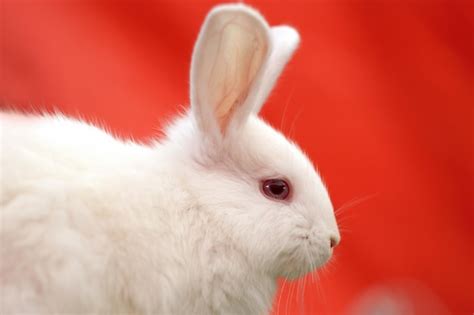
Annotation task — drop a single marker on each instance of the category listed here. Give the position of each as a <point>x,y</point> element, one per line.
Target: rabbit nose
<point>334,241</point>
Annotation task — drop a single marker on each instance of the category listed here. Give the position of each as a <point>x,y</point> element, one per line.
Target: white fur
<point>94,225</point>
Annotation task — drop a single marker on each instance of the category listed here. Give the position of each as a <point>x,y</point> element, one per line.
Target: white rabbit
<point>203,222</point>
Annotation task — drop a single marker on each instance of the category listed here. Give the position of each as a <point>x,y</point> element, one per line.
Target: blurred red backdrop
<point>380,94</point>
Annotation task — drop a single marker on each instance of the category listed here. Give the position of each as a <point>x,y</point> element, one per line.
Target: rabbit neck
<point>178,258</point>
<point>226,281</point>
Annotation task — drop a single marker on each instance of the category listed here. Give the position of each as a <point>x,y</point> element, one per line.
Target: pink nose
<point>334,241</point>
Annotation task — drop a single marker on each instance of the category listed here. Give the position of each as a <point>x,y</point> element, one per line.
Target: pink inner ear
<point>234,53</point>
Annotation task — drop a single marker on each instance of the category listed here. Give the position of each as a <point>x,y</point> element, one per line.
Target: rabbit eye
<point>276,188</point>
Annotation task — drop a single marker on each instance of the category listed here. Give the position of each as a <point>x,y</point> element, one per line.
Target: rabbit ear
<point>285,40</point>
<point>229,60</point>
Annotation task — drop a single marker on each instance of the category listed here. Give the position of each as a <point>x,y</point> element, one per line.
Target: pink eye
<point>276,188</point>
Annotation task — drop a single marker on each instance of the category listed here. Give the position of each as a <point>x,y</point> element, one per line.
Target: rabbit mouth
<point>307,254</point>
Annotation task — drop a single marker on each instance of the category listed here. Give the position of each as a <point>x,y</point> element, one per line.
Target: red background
<point>380,94</point>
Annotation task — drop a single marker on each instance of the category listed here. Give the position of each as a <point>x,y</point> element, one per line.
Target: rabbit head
<point>259,186</point>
